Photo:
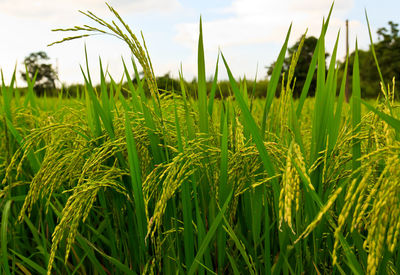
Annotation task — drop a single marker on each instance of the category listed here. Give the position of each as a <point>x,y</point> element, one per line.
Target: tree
<point>45,74</point>
<point>387,51</point>
<point>302,66</point>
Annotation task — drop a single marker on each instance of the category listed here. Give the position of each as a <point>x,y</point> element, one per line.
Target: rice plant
<point>109,184</point>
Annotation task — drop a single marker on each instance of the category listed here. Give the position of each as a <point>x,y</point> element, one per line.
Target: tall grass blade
<point>201,84</point>
<point>213,90</point>
<point>233,263</point>
<point>356,113</point>
<point>338,112</point>
<point>228,229</point>
<point>273,82</point>
<point>135,173</point>
<point>30,97</point>
<point>122,267</point>
<point>318,138</point>
<point>30,263</point>
<point>188,233</point>
<point>312,67</point>
<point>4,241</point>
<point>135,100</point>
<point>209,236</point>
<point>93,118</point>
<point>7,96</point>
<point>374,53</point>
<point>105,100</point>
<point>253,91</point>
<point>224,189</point>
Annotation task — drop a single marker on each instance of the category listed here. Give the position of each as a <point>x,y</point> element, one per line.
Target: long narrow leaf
<point>3,237</point>
<point>209,236</point>
<point>273,81</point>
<point>356,113</point>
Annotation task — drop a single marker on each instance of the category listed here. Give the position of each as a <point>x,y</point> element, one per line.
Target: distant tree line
<point>387,50</point>
<point>301,69</point>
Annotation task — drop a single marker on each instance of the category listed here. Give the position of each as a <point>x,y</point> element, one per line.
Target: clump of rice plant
<point>108,184</point>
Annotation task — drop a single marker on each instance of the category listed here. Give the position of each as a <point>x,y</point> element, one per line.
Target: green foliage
<point>43,74</point>
<point>387,50</point>
<point>303,64</point>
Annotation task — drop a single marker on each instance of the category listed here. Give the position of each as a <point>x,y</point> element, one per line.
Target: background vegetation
<point>387,50</point>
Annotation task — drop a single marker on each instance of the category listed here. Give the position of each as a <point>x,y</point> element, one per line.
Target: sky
<point>249,33</point>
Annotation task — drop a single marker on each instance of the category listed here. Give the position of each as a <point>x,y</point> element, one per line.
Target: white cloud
<point>258,21</point>
<point>56,9</point>
<point>311,6</point>
<point>248,23</point>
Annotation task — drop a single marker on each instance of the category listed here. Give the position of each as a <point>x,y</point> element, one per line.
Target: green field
<point>112,184</point>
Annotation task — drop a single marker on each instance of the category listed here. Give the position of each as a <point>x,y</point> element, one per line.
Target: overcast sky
<point>248,32</point>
